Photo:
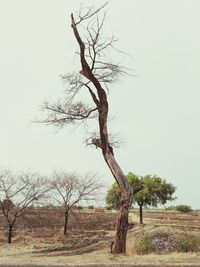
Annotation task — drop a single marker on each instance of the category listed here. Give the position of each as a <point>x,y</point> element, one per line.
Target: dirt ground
<point>189,221</point>
<point>87,231</point>
<point>38,238</point>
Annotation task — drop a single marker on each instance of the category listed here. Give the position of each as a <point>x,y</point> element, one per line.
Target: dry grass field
<point>38,239</point>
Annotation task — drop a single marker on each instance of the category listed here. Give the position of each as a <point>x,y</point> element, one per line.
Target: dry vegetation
<point>39,239</point>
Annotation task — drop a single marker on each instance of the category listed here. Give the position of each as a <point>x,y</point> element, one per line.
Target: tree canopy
<point>156,191</point>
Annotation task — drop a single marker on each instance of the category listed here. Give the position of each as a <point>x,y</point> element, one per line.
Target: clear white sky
<point>156,113</point>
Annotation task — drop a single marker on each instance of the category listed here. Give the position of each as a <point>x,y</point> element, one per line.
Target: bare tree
<point>71,190</point>
<point>97,73</point>
<point>17,193</point>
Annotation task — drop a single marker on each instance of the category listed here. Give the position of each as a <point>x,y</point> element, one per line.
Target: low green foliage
<point>144,246</point>
<point>183,208</point>
<point>180,208</point>
<point>160,232</point>
<point>165,240</point>
<point>188,243</point>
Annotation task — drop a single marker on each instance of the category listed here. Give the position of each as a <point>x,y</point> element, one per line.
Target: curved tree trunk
<point>122,226</point>
<point>100,99</point>
<point>125,204</point>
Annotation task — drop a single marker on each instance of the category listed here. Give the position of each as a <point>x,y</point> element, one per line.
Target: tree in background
<point>17,193</point>
<point>113,194</point>
<point>97,73</point>
<point>71,189</point>
<point>181,208</point>
<point>156,191</point>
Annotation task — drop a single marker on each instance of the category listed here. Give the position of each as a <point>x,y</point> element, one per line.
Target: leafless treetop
<point>71,189</point>
<point>97,49</point>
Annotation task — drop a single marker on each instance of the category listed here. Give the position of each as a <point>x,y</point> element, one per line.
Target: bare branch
<point>95,140</point>
<point>59,114</point>
<point>17,192</point>
<point>96,70</point>
<point>71,189</point>
<point>89,13</point>
<point>138,188</point>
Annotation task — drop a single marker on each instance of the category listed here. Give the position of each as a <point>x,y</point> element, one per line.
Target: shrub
<point>183,208</point>
<point>90,207</point>
<point>79,207</point>
<point>144,246</point>
<point>164,240</point>
<point>160,231</point>
<point>188,243</point>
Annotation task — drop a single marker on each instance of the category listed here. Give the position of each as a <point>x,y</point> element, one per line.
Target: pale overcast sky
<point>156,113</point>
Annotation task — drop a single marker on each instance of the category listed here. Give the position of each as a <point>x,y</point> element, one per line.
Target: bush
<point>160,231</point>
<point>144,246</point>
<point>79,207</point>
<point>189,243</point>
<point>164,240</point>
<point>183,208</point>
<point>90,207</point>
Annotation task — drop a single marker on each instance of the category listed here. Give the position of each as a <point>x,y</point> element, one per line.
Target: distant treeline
<point>181,208</point>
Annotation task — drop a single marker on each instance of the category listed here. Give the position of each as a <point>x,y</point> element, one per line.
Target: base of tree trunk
<point>122,228</point>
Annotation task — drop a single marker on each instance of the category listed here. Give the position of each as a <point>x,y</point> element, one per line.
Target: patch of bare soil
<point>185,221</point>
<point>78,220</point>
<point>77,242</point>
<point>91,231</point>
<point>38,239</point>
<point>87,231</point>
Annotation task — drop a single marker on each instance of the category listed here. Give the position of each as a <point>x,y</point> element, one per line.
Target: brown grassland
<point>38,239</point>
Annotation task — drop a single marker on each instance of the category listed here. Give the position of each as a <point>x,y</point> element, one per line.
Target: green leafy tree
<point>156,191</point>
<point>183,208</point>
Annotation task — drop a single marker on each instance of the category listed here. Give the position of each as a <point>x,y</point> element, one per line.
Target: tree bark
<point>125,204</point>
<point>141,214</point>
<point>102,105</point>
<point>66,222</point>
<point>10,228</point>
<point>122,226</point>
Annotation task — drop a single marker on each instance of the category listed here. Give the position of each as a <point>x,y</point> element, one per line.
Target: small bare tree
<point>97,73</point>
<point>17,193</point>
<point>71,190</point>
